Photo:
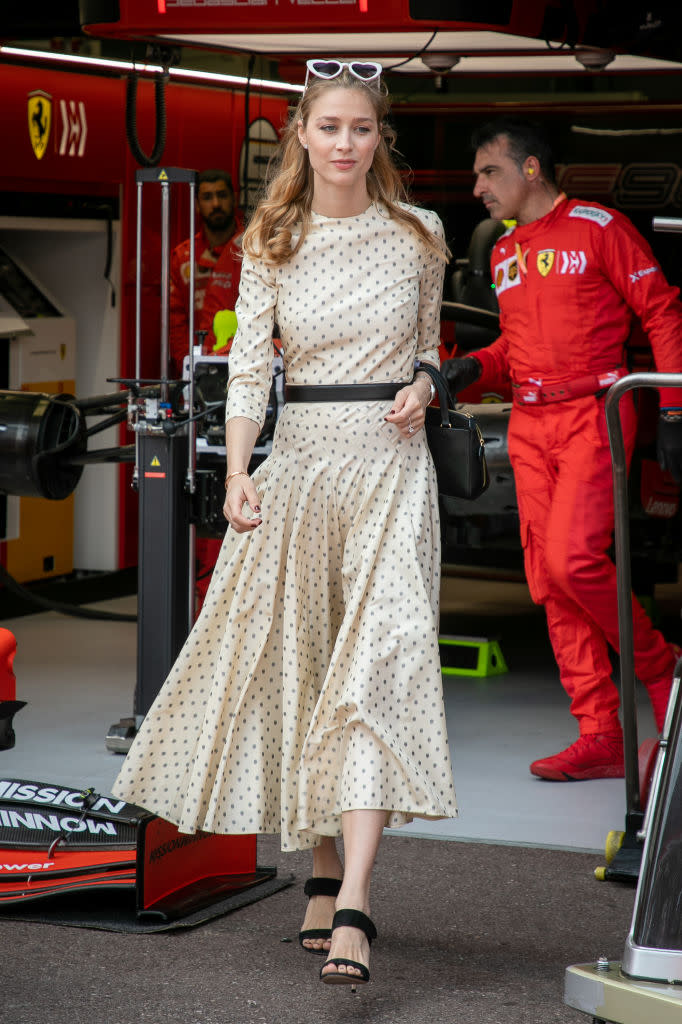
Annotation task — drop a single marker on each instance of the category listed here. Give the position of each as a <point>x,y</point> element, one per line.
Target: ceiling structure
<point>463,52</point>
<point>414,39</point>
<point>476,37</point>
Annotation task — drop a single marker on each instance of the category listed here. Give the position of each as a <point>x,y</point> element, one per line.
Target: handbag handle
<point>444,397</point>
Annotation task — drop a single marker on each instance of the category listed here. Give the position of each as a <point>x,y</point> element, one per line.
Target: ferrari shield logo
<point>545,261</point>
<point>39,121</point>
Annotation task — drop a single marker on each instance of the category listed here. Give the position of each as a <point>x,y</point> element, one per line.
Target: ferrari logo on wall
<point>39,121</point>
<point>545,261</point>
<point>74,128</point>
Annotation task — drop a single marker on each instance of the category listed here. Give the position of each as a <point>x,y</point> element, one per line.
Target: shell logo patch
<point>506,274</point>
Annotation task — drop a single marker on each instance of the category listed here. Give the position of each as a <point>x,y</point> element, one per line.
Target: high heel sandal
<point>319,887</point>
<point>349,919</point>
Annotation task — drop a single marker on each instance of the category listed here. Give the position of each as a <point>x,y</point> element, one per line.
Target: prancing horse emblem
<point>545,261</point>
<point>39,121</point>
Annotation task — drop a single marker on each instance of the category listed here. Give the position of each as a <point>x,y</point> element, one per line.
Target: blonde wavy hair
<point>286,204</point>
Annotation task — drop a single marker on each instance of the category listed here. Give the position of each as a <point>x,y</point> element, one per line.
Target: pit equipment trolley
<point>647,984</point>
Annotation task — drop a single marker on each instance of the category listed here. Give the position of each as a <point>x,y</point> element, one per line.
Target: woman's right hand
<point>240,490</point>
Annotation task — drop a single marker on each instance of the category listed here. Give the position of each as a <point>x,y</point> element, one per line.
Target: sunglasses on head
<point>365,71</point>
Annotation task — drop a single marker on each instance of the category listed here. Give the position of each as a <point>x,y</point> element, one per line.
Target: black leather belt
<point>341,392</point>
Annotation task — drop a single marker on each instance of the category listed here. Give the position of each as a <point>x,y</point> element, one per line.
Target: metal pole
<point>624,581</point>
<point>165,286</point>
<point>192,435</point>
<point>673,224</point>
<point>161,464</point>
<point>192,432</point>
<point>138,319</point>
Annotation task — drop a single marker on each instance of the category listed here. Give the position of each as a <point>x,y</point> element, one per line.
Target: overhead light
<point>594,58</point>
<point>120,66</point>
<point>440,62</point>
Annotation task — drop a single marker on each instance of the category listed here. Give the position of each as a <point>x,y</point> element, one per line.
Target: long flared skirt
<point>310,683</point>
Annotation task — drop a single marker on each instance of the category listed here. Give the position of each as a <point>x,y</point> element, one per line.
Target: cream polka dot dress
<point>310,683</point>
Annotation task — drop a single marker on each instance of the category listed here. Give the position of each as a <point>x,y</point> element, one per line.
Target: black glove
<point>460,373</point>
<point>669,443</point>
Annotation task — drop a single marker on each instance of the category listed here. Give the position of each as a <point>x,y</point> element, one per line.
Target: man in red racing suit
<point>217,266</point>
<point>569,277</point>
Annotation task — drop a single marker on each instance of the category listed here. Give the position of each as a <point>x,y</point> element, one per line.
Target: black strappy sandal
<point>319,887</point>
<point>349,919</point>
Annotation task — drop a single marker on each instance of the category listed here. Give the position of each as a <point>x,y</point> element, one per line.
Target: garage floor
<point>78,677</point>
<point>479,930</point>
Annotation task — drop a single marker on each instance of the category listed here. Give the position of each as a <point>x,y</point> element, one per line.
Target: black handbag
<point>456,443</point>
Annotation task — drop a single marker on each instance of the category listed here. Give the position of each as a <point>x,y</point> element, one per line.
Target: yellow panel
<point>51,387</point>
<point>44,546</point>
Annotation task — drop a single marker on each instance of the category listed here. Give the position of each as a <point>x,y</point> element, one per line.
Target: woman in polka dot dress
<point>307,699</point>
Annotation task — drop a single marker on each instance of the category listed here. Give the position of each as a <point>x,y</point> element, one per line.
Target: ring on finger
<point>410,428</point>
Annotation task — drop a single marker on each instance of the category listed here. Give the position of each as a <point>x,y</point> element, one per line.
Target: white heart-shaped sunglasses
<point>366,71</point>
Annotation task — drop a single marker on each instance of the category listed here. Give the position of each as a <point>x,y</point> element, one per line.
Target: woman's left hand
<point>409,407</point>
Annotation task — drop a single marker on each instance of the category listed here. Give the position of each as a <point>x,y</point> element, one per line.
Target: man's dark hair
<point>526,138</point>
<point>215,174</point>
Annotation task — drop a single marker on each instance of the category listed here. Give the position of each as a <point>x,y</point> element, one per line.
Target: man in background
<point>217,265</point>
<point>570,276</point>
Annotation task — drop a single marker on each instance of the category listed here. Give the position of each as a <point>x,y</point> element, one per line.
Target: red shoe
<point>592,756</point>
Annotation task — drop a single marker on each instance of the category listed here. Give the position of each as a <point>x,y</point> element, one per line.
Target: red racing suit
<point>216,287</point>
<point>568,285</point>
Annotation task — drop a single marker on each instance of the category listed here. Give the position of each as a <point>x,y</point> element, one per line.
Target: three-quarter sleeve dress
<point>310,684</point>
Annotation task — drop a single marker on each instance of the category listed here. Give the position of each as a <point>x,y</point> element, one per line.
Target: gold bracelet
<point>237,472</point>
